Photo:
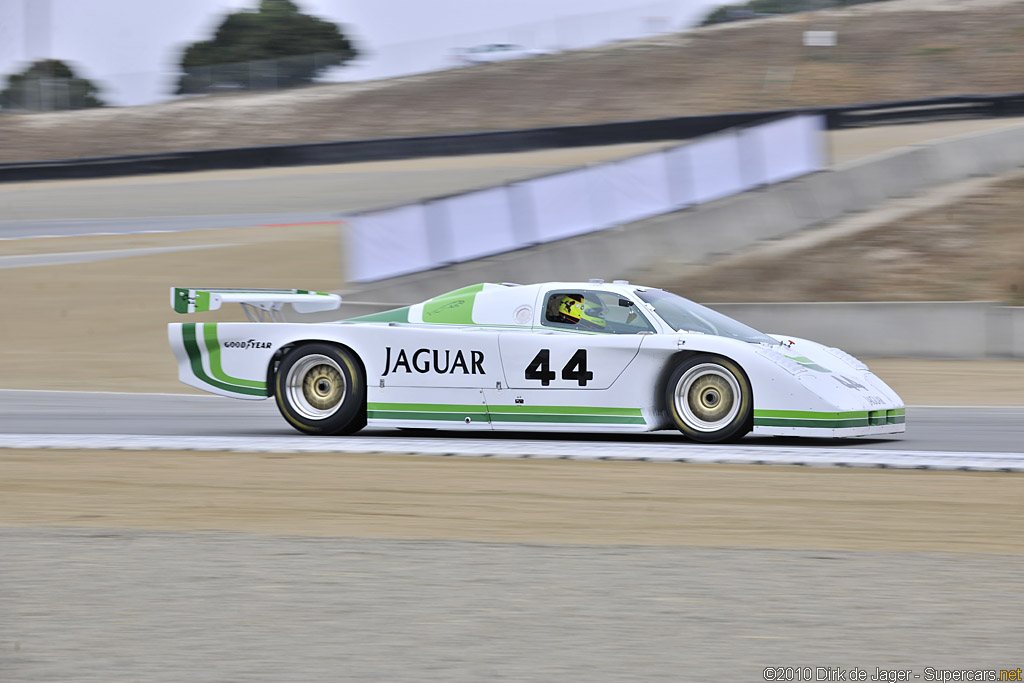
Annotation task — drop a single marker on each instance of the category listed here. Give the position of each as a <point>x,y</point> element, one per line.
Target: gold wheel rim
<point>707,397</point>
<point>315,387</point>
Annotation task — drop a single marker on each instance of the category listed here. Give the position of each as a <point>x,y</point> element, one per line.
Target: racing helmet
<point>587,314</point>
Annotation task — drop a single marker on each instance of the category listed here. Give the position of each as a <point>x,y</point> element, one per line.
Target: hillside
<point>887,51</point>
<point>971,249</point>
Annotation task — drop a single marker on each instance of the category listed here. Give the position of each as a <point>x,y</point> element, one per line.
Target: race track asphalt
<point>938,429</point>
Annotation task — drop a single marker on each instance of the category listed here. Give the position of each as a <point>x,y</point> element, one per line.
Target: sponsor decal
<point>248,344</point>
<point>849,383</point>
<point>437,361</point>
<point>447,306</point>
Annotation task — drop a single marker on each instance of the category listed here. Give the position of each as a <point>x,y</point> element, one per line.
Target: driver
<point>587,315</point>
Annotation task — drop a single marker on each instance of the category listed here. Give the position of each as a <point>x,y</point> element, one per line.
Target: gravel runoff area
<point>897,50</point>
<point>129,566</point>
<point>111,605</point>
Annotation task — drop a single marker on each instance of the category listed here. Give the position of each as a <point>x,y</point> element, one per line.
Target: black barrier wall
<point>493,142</point>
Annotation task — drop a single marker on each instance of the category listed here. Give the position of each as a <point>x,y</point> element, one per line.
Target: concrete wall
<point>961,330</point>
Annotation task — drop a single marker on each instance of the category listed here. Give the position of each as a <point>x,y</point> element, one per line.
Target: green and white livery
<point>558,356</point>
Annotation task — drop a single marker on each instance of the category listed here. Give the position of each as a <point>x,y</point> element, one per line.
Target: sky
<point>130,48</point>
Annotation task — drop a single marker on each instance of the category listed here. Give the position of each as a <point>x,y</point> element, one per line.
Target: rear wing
<point>260,305</point>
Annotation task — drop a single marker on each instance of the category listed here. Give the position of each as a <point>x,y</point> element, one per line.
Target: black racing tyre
<point>709,399</point>
<point>321,389</point>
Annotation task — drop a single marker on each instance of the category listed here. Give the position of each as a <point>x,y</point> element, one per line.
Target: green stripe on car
<point>454,308</point>
<point>563,414</point>
<point>808,363</point>
<point>818,424</point>
<point>574,419</point>
<point>213,351</point>
<point>811,414</point>
<point>402,415</point>
<point>181,297</point>
<point>828,420</point>
<point>455,408</point>
<point>195,358</point>
<point>397,315</point>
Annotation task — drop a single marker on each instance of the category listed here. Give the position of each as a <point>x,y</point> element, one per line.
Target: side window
<point>594,311</point>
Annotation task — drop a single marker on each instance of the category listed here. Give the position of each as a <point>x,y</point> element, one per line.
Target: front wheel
<point>321,389</point>
<point>709,398</point>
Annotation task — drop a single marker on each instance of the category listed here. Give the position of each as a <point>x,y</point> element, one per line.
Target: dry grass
<point>883,54</point>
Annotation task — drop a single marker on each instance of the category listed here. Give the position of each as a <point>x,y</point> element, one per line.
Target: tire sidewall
<point>738,426</point>
<point>351,414</point>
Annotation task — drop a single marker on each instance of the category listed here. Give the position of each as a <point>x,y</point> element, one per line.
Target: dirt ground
<point>971,249</point>
<point>898,50</point>
<point>103,325</point>
<point>514,501</point>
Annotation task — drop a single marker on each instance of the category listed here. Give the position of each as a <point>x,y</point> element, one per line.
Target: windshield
<point>686,316</point>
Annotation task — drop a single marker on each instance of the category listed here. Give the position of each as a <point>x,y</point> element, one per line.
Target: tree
<point>47,85</point>
<point>274,46</point>
<point>768,8</point>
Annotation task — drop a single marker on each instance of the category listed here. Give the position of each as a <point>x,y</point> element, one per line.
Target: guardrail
<point>351,151</point>
<point>917,111</point>
<point>491,142</point>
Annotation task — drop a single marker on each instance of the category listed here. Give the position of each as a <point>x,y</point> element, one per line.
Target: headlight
<point>847,358</point>
<point>790,365</point>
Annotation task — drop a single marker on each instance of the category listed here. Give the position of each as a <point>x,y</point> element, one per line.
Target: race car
<point>557,356</point>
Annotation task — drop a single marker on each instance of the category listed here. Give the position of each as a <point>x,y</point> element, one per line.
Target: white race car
<point>556,356</point>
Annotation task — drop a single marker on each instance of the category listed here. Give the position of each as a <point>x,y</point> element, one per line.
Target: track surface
<point>939,429</point>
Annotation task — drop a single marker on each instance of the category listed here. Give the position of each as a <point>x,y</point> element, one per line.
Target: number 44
<point>575,369</point>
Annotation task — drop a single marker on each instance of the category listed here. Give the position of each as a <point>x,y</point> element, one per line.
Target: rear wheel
<point>321,389</point>
<point>709,399</point>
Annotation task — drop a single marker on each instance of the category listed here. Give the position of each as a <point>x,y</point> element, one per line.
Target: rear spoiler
<point>260,305</point>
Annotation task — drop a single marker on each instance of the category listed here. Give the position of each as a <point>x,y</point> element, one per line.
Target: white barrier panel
<point>680,170</point>
<point>639,187</point>
<point>715,161</point>
<point>782,150</point>
<point>522,215</point>
<point>473,225</point>
<point>563,205</point>
<point>478,224</point>
<point>753,165</point>
<point>389,243</point>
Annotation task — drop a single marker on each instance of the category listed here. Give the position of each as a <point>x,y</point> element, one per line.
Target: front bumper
<point>826,424</point>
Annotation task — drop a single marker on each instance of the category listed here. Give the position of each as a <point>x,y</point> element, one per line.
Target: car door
<point>558,375</point>
<point>587,352</point>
